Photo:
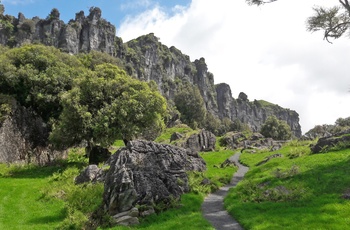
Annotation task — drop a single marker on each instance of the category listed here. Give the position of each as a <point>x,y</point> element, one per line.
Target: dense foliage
<point>190,104</point>
<point>106,105</point>
<point>36,76</point>
<point>276,129</point>
<point>83,97</point>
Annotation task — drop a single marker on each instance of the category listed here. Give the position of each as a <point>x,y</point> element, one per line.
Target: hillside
<point>144,58</point>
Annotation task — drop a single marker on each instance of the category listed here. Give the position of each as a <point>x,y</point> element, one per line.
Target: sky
<point>263,51</point>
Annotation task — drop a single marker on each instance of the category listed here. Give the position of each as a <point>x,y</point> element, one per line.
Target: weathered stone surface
<point>92,173</point>
<point>252,113</point>
<point>236,140</point>
<point>203,141</point>
<point>80,35</point>
<point>23,138</point>
<point>147,173</point>
<point>328,142</point>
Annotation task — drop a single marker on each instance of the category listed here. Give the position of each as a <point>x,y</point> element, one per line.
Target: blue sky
<point>114,11</point>
<point>264,51</point>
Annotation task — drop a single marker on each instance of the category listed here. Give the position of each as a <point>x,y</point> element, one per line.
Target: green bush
<point>276,129</point>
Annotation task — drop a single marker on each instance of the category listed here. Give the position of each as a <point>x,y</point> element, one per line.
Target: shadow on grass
<point>49,219</point>
<point>34,171</point>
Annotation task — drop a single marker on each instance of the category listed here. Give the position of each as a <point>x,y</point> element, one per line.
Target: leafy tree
<point>37,75</point>
<point>343,122</point>
<point>105,105</point>
<point>276,129</point>
<point>333,21</point>
<point>190,104</point>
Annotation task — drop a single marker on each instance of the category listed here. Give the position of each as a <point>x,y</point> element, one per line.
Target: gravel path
<point>213,205</point>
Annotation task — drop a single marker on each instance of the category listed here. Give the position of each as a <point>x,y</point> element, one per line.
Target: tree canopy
<point>190,104</point>
<point>333,21</point>
<point>105,105</point>
<point>36,75</point>
<point>276,129</point>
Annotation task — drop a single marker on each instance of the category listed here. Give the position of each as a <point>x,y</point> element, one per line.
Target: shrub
<point>276,129</point>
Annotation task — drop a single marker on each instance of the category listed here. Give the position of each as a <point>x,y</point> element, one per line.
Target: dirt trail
<point>213,205</point>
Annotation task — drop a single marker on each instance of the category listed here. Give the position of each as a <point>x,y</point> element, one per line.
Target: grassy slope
<point>320,181</point>
<point>27,197</point>
<point>21,206</point>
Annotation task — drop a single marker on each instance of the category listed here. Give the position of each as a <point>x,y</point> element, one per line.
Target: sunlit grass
<point>320,178</point>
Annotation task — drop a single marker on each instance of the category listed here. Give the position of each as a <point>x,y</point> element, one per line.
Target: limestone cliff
<point>144,58</point>
<point>253,113</point>
<point>83,34</point>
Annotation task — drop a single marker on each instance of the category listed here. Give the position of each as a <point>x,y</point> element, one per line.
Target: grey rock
<point>252,113</point>
<point>147,212</point>
<point>23,138</point>
<point>126,221</point>
<point>236,140</point>
<point>92,173</point>
<point>203,141</point>
<point>145,173</point>
<point>328,142</point>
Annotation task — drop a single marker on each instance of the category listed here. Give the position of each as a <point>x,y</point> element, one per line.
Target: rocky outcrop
<point>201,142</point>
<point>253,113</point>
<point>144,174</point>
<point>341,139</point>
<point>144,58</point>
<point>83,34</point>
<point>23,136</point>
<point>238,140</point>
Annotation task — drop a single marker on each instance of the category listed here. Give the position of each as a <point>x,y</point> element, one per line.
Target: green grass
<point>21,203</point>
<point>316,186</point>
<point>46,197</point>
<point>182,129</point>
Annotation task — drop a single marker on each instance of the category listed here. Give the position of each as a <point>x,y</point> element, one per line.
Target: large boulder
<point>144,174</point>
<point>203,141</point>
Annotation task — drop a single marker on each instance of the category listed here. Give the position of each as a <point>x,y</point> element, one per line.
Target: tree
<point>333,21</point>
<point>190,104</point>
<point>37,75</point>
<point>276,129</point>
<point>105,105</point>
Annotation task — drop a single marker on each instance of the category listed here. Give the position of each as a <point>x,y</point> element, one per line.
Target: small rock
<point>127,221</point>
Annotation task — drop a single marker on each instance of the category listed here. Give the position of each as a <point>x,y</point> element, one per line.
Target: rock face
<point>145,174</point>
<point>203,141</point>
<point>253,113</point>
<point>80,35</point>
<point>144,58</point>
<point>23,137</point>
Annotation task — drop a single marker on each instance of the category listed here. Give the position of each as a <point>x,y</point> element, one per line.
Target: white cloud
<point>265,52</point>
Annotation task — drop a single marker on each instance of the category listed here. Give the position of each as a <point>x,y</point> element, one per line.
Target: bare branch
<point>259,2</point>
